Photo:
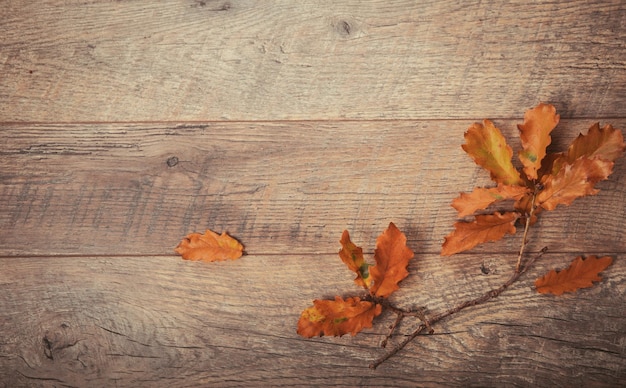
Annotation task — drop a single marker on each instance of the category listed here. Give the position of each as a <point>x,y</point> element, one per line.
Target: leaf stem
<point>526,228</point>
<point>473,302</point>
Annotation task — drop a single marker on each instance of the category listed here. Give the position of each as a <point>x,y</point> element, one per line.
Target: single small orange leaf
<point>535,136</point>
<point>573,181</point>
<point>337,317</point>
<point>606,143</point>
<point>392,257</point>
<point>466,204</point>
<point>485,144</point>
<point>488,227</point>
<point>352,256</point>
<point>580,274</point>
<point>209,246</point>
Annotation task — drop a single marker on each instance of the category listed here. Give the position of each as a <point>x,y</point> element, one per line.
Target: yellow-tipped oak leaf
<point>485,144</point>
<point>580,274</point>
<point>352,256</point>
<point>535,136</point>
<point>337,317</point>
<point>392,257</point>
<point>573,181</point>
<point>479,199</point>
<point>209,246</point>
<point>484,228</point>
<point>606,143</point>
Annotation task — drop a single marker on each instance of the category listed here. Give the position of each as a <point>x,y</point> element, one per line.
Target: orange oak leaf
<point>573,181</point>
<point>606,143</point>
<point>466,204</point>
<point>485,144</point>
<point>392,256</point>
<point>337,317</point>
<point>535,136</point>
<point>488,227</point>
<point>352,256</point>
<point>209,246</point>
<point>580,274</point>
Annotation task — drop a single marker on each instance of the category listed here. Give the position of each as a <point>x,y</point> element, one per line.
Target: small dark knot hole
<point>346,27</point>
<point>171,162</point>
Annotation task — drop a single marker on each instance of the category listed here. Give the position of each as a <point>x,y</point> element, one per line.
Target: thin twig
<point>481,299</point>
<point>526,227</point>
<point>392,328</point>
<point>400,314</point>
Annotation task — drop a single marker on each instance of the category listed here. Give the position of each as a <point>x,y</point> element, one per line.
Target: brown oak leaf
<point>580,274</point>
<point>535,136</point>
<point>606,143</point>
<point>487,227</point>
<point>392,257</point>
<point>573,181</point>
<point>352,256</point>
<point>337,317</point>
<point>209,246</point>
<point>466,204</point>
<point>485,144</point>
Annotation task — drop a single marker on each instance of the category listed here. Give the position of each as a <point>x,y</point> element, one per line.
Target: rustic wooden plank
<point>67,61</point>
<point>155,321</point>
<point>280,187</point>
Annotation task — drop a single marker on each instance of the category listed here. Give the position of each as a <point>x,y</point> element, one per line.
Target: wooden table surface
<point>127,125</point>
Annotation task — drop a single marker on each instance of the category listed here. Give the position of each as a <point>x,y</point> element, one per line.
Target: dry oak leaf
<point>487,227</point>
<point>209,246</point>
<point>573,181</point>
<point>337,317</point>
<point>580,274</point>
<point>392,257</point>
<point>466,204</point>
<point>352,256</point>
<point>606,143</point>
<point>486,145</point>
<point>535,136</point>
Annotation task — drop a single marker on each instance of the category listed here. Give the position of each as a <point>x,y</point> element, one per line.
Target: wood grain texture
<point>68,61</point>
<point>161,321</point>
<point>280,187</point>
<point>126,125</point>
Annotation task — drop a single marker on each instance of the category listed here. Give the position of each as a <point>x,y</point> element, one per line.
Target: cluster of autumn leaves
<point>544,181</point>
<point>338,317</point>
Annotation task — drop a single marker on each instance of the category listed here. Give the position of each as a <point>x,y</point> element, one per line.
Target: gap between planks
<point>469,119</point>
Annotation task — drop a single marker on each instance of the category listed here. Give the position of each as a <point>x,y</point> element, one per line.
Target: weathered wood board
<point>249,60</point>
<point>126,125</point>
<point>156,321</point>
<point>279,187</point>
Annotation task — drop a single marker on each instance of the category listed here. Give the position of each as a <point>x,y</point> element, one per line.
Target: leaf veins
<point>392,257</point>
<point>580,274</point>
<point>535,136</point>
<point>466,204</point>
<point>209,246</point>
<point>488,227</point>
<point>486,145</point>
<point>606,143</point>
<point>573,181</point>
